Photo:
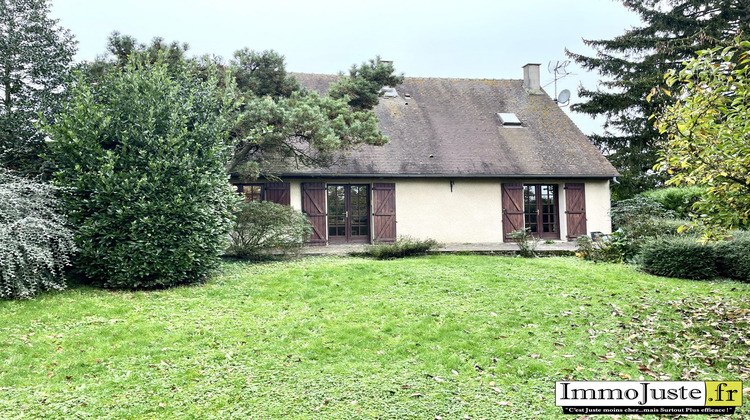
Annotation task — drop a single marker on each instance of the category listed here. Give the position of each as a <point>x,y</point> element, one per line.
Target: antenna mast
<point>559,69</point>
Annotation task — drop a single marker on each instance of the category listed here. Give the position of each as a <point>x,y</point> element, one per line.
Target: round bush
<point>35,244</point>
<point>682,257</point>
<point>262,228</point>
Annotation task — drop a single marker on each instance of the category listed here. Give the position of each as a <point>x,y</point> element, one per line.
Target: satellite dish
<point>564,97</point>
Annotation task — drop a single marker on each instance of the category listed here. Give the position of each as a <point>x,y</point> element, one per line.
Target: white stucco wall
<point>597,207</point>
<point>472,211</point>
<point>427,208</point>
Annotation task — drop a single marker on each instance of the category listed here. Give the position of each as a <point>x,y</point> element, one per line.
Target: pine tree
<point>35,62</point>
<point>282,122</point>
<point>634,63</point>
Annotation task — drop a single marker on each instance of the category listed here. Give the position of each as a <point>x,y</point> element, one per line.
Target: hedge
<point>682,257</point>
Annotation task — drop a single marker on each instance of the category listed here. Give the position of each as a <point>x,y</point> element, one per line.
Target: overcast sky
<point>489,39</point>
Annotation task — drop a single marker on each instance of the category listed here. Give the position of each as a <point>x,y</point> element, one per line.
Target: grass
<point>448,336</point>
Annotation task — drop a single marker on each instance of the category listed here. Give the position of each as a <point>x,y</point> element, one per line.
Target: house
<point>469,161</point>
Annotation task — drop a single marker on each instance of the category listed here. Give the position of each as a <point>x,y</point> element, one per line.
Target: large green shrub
<point>35,244</point>
<point>264,228</point>
<point>142,153</point>
<point>679,200</point>
<point>682,257</point>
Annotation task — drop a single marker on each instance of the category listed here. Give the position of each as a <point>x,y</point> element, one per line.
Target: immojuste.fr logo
<point>648,397</point>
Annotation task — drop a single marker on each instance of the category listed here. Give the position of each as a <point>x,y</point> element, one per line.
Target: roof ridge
<point>478,79</point>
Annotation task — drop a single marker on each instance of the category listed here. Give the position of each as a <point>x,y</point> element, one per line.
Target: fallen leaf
<point>505,403</point>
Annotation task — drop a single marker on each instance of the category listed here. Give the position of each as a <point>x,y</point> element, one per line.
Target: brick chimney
<point>531,79</point>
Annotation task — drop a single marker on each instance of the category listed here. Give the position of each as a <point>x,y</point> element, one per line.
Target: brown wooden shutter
<point>314,206</point>
<point>384,212</point>
<point>278,192</point>
<point>512,208</point>
<point>575,209</point>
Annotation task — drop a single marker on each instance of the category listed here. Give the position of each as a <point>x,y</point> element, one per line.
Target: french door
<point>540,210</point>
<point>348,213</point>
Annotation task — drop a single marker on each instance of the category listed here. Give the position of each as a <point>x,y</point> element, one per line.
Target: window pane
<point>251,192</point>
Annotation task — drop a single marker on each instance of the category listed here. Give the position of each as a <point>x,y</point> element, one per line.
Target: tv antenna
<point>559,69</point>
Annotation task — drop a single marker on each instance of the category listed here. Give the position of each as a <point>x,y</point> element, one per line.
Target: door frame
<point>348,238</point>
<point>539,215</point>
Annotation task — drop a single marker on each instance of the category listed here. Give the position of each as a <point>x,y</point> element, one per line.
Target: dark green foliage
<point>679,200</point>
<point>526,242</point>
<point>734,258</point>
<point>35,61</point>
<point>284,124</point>
<point>142,154</point>
<point>122,49</point>
<point>635,62</point>
<point>35,243</point>
<point>263,73</point>
<point>268,228</point>
<point>280,123</point>
<point>404,246</point>
<point>682,257</point>
<point>362,86</point>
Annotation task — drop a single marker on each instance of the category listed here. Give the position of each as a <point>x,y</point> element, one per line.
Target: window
<point>251,192</point>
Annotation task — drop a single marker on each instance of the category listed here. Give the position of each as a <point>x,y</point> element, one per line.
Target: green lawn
<point>449,336</point>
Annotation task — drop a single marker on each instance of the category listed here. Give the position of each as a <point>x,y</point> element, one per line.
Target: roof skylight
<point>509,119</point>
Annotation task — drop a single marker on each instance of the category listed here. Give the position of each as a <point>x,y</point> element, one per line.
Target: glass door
<point>540,210</point>
<point>348,213</point>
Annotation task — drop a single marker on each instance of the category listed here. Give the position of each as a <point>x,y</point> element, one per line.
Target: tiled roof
<point>450,127</point>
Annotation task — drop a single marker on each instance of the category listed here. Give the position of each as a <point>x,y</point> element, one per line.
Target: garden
<point>446,336</point>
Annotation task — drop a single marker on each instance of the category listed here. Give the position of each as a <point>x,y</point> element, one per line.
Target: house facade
<point>469,161</point>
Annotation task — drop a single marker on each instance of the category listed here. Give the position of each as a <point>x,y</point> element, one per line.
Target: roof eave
<point>516,176</point>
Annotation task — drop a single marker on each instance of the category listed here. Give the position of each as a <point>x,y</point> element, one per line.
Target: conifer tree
<point>35,61</point>
<point>634,63</point>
